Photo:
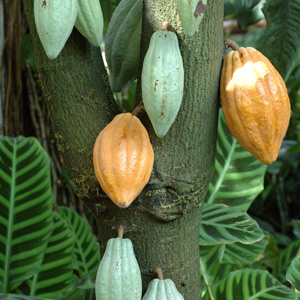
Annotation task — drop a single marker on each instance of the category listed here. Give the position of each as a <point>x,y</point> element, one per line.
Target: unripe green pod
<point>54,21</point>
<point>162,81</point>
<point>122,45</point>
<point>118,275</point>
<point>89,21</point>
<point>162,289</point>
<point>191,13</point>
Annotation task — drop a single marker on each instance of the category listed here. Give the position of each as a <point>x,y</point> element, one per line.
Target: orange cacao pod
<point>123,159</point>
<point>255,103</point>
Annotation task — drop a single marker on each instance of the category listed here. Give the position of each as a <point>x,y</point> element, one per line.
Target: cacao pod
<point>123,159</point>
<point>255,102</point>
<point>122,44</point>
<point>54,20</point>
<point>162,81</point>
<point>89,21</point>
<point>119,275</point>
<point>162,289</point>
<point>191,13</point>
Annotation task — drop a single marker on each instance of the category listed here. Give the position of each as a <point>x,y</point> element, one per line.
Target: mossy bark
<point>163,222</point>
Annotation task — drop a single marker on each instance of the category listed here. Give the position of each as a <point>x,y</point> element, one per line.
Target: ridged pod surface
<point>191,13</point>
<point>89,21</point>
<point>118,275</point>
<point>54,21</point>
<point>162,81</point>
<point>255,103</point>
<point>122,44</point>
<point>162,290</point>
<point>123,159</point>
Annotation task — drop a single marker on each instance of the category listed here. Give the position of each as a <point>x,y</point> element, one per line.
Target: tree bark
<point>163,222</point>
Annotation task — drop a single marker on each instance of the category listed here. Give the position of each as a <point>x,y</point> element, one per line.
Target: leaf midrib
<point>222,175</point>
<point>10,220</point>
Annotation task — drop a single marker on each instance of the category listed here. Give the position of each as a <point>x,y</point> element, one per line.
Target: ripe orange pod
<point>123,159</point>
<point>255,103</point>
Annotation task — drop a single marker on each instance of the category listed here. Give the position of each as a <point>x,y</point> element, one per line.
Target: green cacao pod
<point>162,81</point>
<point>118,275</point>
<point>54,20</point>
<point>162,289</point>
<point>191,13</point>
<point>89,21</point>
<point>122,45</point>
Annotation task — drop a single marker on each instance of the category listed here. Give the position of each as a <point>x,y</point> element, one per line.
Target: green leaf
<point>280,41</point>
<point>55,274</point>
<point>285,258</point>
<point>293,274</point>
<point>83,289</point>
<point>18,297</point>
<point>25,209</point>
<point>238,176</point>
<point>223,224</point>
<point>251,284</point>
<point>210,259</point>
<point>241,254</point>
<point>251,16</point>
<point>86,255</point>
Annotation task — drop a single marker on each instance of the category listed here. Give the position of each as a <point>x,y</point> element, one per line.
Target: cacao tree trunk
<point>163,222</point>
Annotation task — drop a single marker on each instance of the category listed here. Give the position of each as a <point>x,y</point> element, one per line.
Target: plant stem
<point>231,44</point>
<point>120,231</point>
<point>165,26</point>
<point>159,273</point>
<point>139,108</point>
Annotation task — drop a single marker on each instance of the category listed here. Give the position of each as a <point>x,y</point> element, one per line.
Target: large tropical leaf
<point>238,176</point>
<point>223,224</point>
<point>293,274</point>
<point>280,41</point>
<point>25,209</point>
<point>243,254</point>
<point>56,273</point>
<point>285,258</point>
<point>251,284</point>
<point>210,259</point>
<point>86,255</point>
<point>18,297</point>
<point>83,289</point>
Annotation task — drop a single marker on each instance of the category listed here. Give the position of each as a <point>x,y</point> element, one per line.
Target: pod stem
<point>159,273</point>
<point>165,26</point>
<point>120,231</point>
<point>232,44</point>
<point>138,109</point>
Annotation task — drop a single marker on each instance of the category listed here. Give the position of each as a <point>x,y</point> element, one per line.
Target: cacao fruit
<point>89,21</point>
<point>255,102</point>
<point>123,159</point>
<point>191,13</point>
<point>162,81</point>
<point>162,289</point>
<point>119,275</point>
<point>54,20</point>
<point>122,44</point>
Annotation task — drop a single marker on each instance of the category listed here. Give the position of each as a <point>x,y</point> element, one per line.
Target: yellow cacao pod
<point>123,159</point>
<point>255,103</point>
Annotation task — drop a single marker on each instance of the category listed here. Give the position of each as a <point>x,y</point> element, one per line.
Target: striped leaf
<point>18,297</point>
<point>222,224</point>
<point>282,29</point>
<point>285,258</point>
<point>83,289</point>
<point>242,254</point>
<point>56,273</point>
<point>86,256</point>
<point>210,259</point>
<point>293,274</point>
<point>25,209</point>
<point>238,176</point>
<point>251,284</point>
